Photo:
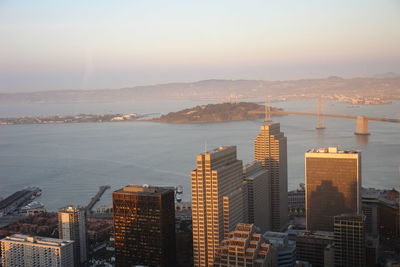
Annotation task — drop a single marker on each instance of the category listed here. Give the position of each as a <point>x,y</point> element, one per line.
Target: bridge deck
<point>97,197</point>
<point>335,116</point>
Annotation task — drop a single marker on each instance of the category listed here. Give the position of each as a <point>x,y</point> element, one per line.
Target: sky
<point>97,44</point>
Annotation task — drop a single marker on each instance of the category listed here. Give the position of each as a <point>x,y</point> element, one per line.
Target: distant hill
<point>217,113</point>
<point>388,88</point>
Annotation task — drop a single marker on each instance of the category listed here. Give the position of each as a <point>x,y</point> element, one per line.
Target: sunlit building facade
<point>72,226</point>
<point>333,186</point>
<point>144,226</point>
<point>23,250</point>
<point>217,201</point>
<point>270,148</point>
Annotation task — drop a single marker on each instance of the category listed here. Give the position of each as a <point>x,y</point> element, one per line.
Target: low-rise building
<point>24,250</point>
<point>285,247</point>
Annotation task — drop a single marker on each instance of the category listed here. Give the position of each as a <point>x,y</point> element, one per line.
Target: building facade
<point>349,240</point>
<point>257,186</point>
<point>244,247</point>
<point>23,250</point>
<point>270,148</point>
<point>333,186</point>
<point>310,247</point>
<point>72,226</point>
<point>286,249</point>
<point>144,226</point>
<point>217,201</point>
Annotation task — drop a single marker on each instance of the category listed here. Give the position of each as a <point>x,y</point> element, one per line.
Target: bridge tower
<point>361,126</point>
<point>267,110</point>
<point>320,118</point>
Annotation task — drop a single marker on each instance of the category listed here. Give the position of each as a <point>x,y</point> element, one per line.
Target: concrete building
<point>217,201</point>
<point>245,247</point>
<point>270,148</point>
<point>349,240</point>
<point>23,250</point>
<point>369,206</point>
<point>72,226</point>
<point>285,247</point>
<point>333,186</point>
<point>258,184</point>
<point>144,226</point>
<point>310,247</point>
<point>297,201</point>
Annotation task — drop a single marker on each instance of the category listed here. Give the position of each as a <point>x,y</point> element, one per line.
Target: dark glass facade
<point>333,187</point>
<point>144,225</point>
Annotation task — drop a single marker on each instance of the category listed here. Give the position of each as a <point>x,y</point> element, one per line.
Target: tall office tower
<point>349,244</point>
<point>270,149</point>
<point>144,226</point>
<point>72,226</point>
<point>24,250</point>
<point>217,201</point>
<point>310,247</point>
<point>257,184</point>
<point>245,247</point>
<point>333,186</point>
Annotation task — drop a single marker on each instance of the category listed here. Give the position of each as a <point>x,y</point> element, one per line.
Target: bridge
<point>361,121</point>
<point>97,197</point>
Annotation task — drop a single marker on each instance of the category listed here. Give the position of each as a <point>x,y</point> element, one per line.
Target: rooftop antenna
<point>267,110</point>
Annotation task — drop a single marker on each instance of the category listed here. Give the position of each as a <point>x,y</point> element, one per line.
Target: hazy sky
<point>87,44</point>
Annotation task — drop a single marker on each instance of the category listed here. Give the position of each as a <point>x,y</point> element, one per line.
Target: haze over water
<point>70,161</point>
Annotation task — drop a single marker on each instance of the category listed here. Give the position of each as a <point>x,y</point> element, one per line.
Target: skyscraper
<point>333,186</point>
<point>217,201</point>
<point>144,226</point>
<point>257,184</point>
<point>24,250</point>
<point>349,245</point>
<point>271,149</point>
<point>245,247</point>
<point>72,226</point>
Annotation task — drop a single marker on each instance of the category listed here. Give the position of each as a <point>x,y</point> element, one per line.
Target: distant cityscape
<point>240,215</point>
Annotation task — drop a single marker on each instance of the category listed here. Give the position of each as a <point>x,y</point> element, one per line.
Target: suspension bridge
<point>361,121</point>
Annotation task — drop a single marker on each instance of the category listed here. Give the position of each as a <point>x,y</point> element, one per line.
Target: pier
<point>97,197</point>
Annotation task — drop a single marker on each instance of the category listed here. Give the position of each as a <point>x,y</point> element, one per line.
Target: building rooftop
<point>218,149</point>
<point>44,241</point>
<point>71,208</point>
<point>144,189</point>
<point>332,150</point>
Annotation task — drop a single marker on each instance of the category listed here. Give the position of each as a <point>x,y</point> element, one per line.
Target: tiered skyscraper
<point>333,186</point>
<point>270,148</point>
<point>144,226</point>
<point>72,226</point>
<point>217,201</point>
<point>245,247</point>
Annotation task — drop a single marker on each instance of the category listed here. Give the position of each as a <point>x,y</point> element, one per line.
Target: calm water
<point>70,161</point>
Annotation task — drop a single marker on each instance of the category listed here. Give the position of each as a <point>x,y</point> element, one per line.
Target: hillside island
<point>217,113</point>
<point>199,114</point>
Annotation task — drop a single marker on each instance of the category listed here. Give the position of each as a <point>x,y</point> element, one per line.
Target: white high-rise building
<point>270,147</point>
<point>23,250</point>
<point>72,226</point>
<point>217,201</point>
